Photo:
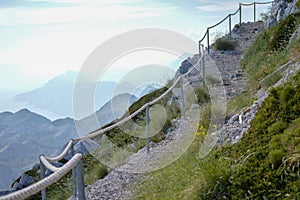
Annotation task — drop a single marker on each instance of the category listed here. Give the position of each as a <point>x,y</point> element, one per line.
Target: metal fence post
<point>240,8</point>
<point>42,176</point>
<point>203,67</point>
<point>74,177</point>
<point>229,17</point>
<point>199,43</point>
<point>254,5</point>
<point>208,40</point>
<point>182,97</point>
<point>80,179</point>
<point>147,129</point>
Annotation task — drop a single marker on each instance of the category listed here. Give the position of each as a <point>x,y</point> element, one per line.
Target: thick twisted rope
<point>62,154</point>
<point>102,131</point>
<point>42,184</point>
<point>232,14</point>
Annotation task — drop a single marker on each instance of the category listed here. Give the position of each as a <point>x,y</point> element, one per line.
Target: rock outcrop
<point>280,10</point>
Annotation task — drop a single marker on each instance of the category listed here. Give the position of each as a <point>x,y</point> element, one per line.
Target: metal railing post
<point>80,180</point>
<point>42,176</point>
<point>182,97</point>
<point>74,177</point>
<point>240,8</point>
<point>199,43</point>
<point>254,5</point>
<point>147,129</point>
<point>229,17</point>
<point>203,67</point>
<point>208,41</point>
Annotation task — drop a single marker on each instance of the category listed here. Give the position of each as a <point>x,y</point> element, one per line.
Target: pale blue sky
<point>43,38</point>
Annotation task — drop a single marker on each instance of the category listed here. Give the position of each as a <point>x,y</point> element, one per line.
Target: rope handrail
<point>268,2</point>
<point>247,4</point>
<point>42,184</point>
<point>102,131</point>
<point>235,12</point>
<point>217,24</point>
<point>47,164</point>
<point>231,14</point>
<point>203,37</point>
<point>251,4</point>
<point>62,154</point>
<point>166,92</point>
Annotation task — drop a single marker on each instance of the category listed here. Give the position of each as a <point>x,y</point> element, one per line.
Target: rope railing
<point>47,164</point>
<point>262,3</point>
<point>102,131</point>
<point>38,186</point>
<point>76,163</point>
<point>239,10</point>
<point>62,154</point>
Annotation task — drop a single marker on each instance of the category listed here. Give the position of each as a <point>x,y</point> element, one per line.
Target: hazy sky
<point>43,38</point>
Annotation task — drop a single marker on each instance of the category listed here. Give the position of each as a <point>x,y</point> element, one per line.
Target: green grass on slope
<point>263,165</point>
<point>94,169</point>
<point>270,50</point>
<point>63,189</point>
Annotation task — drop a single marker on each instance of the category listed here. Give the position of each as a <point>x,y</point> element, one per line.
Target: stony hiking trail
<point>120,182</point>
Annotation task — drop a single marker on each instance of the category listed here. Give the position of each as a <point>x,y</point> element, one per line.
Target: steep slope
<point>264,161</point>
<point>121,184</point>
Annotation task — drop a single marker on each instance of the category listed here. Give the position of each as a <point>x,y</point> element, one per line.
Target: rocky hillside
<point>280,10</point>
<point>120,182</point>
<point>230,172</point>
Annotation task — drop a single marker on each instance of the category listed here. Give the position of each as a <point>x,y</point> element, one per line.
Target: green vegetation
<point>271,49</point>
<point>297,4</point>
<point>146,99</point>
<point>63,189</point>
<point>267,149</point>
<point>225,44</point>
<point>283,32</point>
<point>265,163</point>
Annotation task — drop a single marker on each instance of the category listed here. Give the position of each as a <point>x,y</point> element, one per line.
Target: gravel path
<point>228,62</point>
<point>118,184</point>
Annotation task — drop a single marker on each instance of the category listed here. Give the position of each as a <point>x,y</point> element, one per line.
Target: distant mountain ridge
<point>57,94</point>
<point>25,135</point>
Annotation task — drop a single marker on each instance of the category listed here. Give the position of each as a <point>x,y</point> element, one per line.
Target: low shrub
<point>275,157</point>
<point>297,4</point>
<point>283,32</point>
<point>225,44</point>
